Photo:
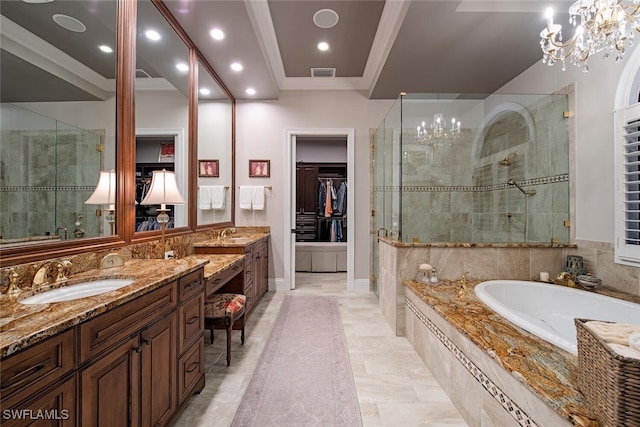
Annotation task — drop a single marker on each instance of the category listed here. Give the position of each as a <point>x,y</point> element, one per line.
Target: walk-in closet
<point>321,204</point>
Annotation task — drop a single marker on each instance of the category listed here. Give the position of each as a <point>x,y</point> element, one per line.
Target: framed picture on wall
<point>208,168</point>
<point>259,168</point>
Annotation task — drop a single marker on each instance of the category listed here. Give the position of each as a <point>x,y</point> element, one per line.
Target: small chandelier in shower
<point>438,131</point>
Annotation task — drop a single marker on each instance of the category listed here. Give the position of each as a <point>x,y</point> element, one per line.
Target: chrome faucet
<point>565,279</point>
<point>463,285</point>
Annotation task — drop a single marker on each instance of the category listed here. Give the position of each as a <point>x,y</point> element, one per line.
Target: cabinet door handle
<point>192,284</point>
<point>236,267</point>
<point>193,320</point>
<point>147,341</point>
<point>27,373</point>
<point>137,349</point>
<point>193,367</point>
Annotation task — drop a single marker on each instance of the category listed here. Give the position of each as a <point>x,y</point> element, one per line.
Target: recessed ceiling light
<point>236,66</point>
<point>105,48</point>
<point>37,1</point>
<point>69,22</point>
<point>323,46</point>
<point>152,35</point>
<point>250,91</point>
<point>182,66</point>
<point>217,34</point>
<point>325,18</point>
<point>205,91</point>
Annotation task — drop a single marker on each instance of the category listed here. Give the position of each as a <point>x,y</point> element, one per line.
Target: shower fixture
<point>514,183</point>
<point>507,160</point>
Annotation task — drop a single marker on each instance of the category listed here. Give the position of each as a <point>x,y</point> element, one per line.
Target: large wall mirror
<point>162,113</point>
<point>57,120</point>
<point>215,151</point>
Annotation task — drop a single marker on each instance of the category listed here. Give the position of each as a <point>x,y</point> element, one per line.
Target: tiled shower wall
<point>458,191</point>
<point>45,177</point>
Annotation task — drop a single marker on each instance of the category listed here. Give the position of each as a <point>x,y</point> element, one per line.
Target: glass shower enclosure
<point>450,168</point>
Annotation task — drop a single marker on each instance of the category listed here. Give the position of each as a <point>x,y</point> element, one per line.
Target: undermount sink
<point>78,290</point>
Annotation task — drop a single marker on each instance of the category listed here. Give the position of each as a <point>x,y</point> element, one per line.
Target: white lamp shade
<point>164,190</point>
<point>105,192</point>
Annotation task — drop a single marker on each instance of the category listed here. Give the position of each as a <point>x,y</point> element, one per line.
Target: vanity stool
<point>221,311</point>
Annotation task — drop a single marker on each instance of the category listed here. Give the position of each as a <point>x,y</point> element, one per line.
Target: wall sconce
<point>163,191</point>
<point>105,194</point>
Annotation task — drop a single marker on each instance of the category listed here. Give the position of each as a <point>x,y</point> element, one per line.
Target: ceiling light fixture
<point>205,91</point>
<point>323,46</point>
<point>152,35</point>
<point>601,25</point>
<point>105,48</point>
<point>250,91</point>
<point>437,132</point>
<point>182,67</point>
<point>217,34</point>
<point>236,66</point>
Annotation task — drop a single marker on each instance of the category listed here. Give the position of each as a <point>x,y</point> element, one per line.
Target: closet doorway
<point>321,203</point>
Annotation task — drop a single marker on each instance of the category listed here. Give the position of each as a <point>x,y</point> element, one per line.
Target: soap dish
<point>589,282</point>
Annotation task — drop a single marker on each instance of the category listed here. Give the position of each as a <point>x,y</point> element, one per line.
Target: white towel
<point>257,198</point>
<point>205,197</point>
<point>245,197</point>
<point>217,197</point>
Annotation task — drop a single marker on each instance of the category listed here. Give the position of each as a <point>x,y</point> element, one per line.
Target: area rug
<point>304,376</point>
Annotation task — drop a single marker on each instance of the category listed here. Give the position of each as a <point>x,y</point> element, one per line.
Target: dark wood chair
<point>222,311</point>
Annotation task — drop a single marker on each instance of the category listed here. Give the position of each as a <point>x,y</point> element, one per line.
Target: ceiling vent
<point>142,74</point>
<point>323,72</point>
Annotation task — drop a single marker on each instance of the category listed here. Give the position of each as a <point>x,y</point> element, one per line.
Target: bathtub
<point>547,310</point>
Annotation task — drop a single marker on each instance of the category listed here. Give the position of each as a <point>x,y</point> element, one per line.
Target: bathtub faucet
<point>565,279</point>
<point>463,285</point>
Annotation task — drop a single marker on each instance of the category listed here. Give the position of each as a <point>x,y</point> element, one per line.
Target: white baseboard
<point>361,285</point>
<point>277,284</point>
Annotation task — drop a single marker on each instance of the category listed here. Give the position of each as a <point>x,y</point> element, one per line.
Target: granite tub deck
<point>24,325</point>
<point>248,237</point>
<point>534,368</point>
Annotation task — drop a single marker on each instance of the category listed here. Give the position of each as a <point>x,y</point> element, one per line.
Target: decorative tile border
<point>26,188</point>
<point>505,401</point>
<point>470,188</point>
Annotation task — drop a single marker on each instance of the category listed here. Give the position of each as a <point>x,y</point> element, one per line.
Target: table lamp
<point>105,194</point>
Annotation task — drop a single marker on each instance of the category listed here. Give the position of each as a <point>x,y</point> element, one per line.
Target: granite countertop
<point>22,325</point>
<point>550,372</point>
<point>217,263</point>
<point>234,240</point>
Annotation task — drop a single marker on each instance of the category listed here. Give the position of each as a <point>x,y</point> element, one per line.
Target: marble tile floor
<point>393,384</point>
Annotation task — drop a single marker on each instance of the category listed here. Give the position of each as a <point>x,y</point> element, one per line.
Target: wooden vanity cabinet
<point>133,381</point>
<point>40,382</point>
<point>255,280</point>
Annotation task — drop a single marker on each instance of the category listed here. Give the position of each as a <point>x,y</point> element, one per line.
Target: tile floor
<point>394,387</point>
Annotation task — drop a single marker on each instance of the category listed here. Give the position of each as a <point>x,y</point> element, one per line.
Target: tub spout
<point>565,279</point>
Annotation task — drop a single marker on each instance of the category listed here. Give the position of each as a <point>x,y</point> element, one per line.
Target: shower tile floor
<point>394,386</point>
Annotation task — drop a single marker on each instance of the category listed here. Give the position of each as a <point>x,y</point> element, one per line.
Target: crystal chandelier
<point>601,25</point>
<point>438,132</point>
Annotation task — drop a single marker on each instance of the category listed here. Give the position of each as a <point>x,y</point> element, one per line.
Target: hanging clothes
<point>328,210</point>
<point>341,200</point>
<point>322,198</point>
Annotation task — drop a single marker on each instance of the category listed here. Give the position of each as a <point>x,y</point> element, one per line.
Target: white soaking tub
<point>548,311</point>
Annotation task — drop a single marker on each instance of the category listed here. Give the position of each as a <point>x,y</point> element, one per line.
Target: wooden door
<point>159,375</point>
<point>110,388</point>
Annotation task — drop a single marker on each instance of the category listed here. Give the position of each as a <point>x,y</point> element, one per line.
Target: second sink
<point>79,290</point>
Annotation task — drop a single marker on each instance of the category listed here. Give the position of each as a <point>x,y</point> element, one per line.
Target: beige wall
<point>261,135</point>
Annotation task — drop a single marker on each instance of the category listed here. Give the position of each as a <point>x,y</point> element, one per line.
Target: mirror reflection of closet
<point>215,147</point>
<point>162,110</point>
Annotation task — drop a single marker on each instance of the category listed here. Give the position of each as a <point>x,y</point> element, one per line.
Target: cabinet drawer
<point>190,321</point>
<point>217,281</point>
<point>36,367</point>
<point>104,331</point>
<point>191,284</point>
<point>58,402</point>
<point>190,370</point>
